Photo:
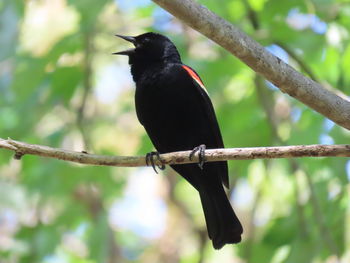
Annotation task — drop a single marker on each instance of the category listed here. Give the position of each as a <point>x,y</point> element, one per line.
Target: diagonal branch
<point>211,155</point>
<point>286,78</point>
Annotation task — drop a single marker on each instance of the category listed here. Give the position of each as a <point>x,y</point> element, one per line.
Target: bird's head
<point>150,48</point>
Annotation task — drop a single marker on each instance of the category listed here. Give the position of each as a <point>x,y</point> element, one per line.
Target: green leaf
<point>65,81</point>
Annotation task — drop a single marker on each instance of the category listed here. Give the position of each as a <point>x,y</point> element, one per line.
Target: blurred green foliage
<point>61,87</point>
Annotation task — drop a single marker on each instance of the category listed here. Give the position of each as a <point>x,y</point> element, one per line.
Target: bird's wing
<point>208,109</point>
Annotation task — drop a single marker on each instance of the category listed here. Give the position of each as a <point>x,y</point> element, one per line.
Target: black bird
<point>174,107</point>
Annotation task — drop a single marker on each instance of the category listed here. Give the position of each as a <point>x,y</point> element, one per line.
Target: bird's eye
<point>145,40</point>
<point>142,42</point>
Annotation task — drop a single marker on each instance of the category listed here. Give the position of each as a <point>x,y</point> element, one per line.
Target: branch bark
<point>286,78</point>
<point>211,155</point>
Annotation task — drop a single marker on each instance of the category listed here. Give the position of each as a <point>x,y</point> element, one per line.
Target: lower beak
<point>125,52</point>
<point>128,51</point>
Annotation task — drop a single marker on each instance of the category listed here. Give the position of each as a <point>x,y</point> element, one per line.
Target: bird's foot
<point>150,161</point>
<point>201,154</point>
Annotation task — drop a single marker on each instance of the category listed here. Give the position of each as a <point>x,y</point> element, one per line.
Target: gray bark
<point>286,78</point>
<point>212,155</point>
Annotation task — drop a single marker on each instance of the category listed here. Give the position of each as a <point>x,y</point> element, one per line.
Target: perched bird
<point>174,107</point>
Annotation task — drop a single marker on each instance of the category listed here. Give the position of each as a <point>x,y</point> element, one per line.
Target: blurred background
<point>60,86</point>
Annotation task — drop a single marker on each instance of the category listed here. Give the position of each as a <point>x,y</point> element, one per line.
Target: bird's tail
<point>222,223</point>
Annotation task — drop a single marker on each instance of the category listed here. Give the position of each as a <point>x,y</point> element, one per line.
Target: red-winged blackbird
<point>174,107</point>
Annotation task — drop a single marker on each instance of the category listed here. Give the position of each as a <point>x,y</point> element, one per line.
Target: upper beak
<point>128,51</point>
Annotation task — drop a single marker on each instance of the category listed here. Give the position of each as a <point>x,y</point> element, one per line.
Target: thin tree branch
<point>309,71</point>
<point>304,67</point>
<point>324,230</point>
<point>286,78</point>
<point>267,104</point>
<point>182,157</point>
<point>322,225</point>
<point>87,86</point>
<point>92,200</point>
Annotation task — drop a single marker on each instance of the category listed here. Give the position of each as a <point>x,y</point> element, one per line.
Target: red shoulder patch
<point>194,76</point>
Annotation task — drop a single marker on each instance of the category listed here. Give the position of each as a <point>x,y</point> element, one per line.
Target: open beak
<point>128,51</point>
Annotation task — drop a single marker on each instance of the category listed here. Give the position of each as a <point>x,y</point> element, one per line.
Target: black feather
<point>178,115</point>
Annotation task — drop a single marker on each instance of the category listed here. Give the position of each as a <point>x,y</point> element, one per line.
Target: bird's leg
<point>201,154</point>
<point>150,161</point>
